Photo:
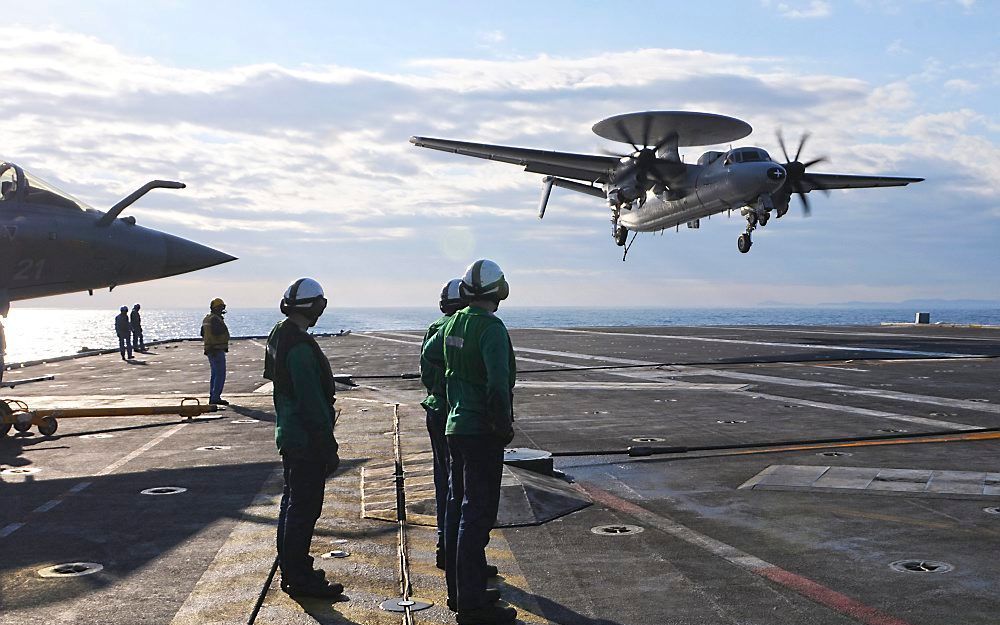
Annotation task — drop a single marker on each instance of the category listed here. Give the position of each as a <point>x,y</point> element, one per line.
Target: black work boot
<point>319,588</point>
<point>486,615</point>
<point>492,596</point>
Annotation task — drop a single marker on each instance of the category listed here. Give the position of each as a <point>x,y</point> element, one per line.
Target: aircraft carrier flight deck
<point>663,475</point>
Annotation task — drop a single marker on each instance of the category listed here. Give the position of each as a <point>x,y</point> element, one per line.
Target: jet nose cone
<point>184,256</point>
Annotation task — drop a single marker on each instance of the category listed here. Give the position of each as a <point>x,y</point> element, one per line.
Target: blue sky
<point>289,123</point>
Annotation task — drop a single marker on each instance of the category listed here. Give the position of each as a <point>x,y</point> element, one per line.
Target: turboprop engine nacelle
<point>623,194</point>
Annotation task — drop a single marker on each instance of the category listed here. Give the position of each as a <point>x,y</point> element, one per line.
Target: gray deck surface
<point>787,548</point>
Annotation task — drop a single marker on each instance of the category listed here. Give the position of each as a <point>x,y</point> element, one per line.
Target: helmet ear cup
<point>503,289</point>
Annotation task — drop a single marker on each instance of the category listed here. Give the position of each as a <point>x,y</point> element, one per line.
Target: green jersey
<point>432,374</point>
<point>303,392</point>
<point>478,359</point>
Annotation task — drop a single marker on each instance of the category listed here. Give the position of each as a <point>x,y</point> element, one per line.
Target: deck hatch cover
<point>616,530</point>
<point>921,566</point>
<point>70,569</point>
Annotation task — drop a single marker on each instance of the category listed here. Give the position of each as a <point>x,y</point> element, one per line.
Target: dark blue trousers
<point>125,342</point>
<point>473,502</point>
<point>442,467</point>
<point>301,504</point>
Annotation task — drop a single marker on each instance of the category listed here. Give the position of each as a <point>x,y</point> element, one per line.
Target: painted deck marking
<point>10,529</point>
<point>861,334</point>
<point>841,348</point>
<point>804,586</point>
<point>753,377</point>
<point>45,507</point>
<point>135,454</point>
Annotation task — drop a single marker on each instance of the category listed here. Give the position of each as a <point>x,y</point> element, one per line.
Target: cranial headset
<point>311,307</point>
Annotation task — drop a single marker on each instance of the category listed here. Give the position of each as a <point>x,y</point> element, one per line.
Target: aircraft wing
<point>586,167</point>
<point>811,181</point>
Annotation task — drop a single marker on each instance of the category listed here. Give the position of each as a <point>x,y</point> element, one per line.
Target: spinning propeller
<point>643,161</point>
<point>796,171</point>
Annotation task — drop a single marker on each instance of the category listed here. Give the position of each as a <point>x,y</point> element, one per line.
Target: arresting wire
<point>644,450</point>
<point>403,549</point>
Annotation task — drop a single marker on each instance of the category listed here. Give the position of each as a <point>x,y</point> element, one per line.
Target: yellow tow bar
<point>15,413</point>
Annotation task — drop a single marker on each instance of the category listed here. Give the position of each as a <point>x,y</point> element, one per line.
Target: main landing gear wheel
<point>621,236</point>
<point>48,426</point>
<point>744,243</point>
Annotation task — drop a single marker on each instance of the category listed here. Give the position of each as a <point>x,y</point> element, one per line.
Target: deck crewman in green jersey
<point>304,394</point>
<point>475,350</point>
<point>436,405</point>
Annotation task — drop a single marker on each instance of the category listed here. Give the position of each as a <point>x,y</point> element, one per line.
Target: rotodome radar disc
<point>692,128</point>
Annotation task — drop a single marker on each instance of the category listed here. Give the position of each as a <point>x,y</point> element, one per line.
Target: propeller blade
<point>671,136</point>
<point>608,152</point>
<point>806,210</point>
<point>802,143</point>
<point>647,125</point>
<point>781,142</point>
<point>815,161</point>
<point>620,126</point>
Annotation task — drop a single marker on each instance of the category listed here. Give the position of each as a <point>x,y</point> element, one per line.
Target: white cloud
<point>961,85</point>
<point>813,10</point>
<point>897,48</point>
<point>315,159</point>
<point>492,37</point>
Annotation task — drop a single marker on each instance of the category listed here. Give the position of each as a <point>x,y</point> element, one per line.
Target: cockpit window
<point>747,155</point>
<point>7,184</point>
<point>41,192</point>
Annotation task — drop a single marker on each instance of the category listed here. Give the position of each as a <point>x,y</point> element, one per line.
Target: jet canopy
<point>17,185</point>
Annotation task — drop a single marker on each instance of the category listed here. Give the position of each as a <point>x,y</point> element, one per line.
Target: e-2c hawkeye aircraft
<point>745,179</point>
<point>52,243</point>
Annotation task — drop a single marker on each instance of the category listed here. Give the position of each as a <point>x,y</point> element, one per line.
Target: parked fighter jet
<point>747,179</point>
<point>51,243</point>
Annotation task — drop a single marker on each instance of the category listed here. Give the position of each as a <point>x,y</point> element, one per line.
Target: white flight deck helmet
<point>484,280</point>
<point>452,299</point>
<point>304,296</point>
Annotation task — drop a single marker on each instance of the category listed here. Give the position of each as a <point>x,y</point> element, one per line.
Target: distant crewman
<point>436,405</point>
<point>304,395</point>
<point>135,320</point>
<point>124,332</point>
<point>475,351</point>
<point>215,335</point>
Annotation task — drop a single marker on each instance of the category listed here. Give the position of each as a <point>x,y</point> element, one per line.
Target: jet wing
<point>586,167</point>
<point>811,181</point>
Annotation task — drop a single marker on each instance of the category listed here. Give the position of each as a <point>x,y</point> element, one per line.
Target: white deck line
<point>771,379</point>
<point>705,339</point>
<point>653,375</point>
<point>833,332</point>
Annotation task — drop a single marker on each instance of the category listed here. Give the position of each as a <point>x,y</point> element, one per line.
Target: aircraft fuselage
<point>706,190</point>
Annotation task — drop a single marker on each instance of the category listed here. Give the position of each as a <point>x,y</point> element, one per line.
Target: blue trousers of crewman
<point>217,362</point>
<point>301,504</point>
<point>442,468</point>
<point>473,503</point>
<point>125,343</point>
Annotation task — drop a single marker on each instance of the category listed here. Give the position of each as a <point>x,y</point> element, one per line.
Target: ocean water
<point>36,333</point>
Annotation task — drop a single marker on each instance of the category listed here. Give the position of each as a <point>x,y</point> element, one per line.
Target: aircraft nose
<point>776,173</point>
<point>183,256</point>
